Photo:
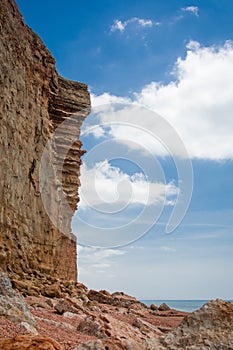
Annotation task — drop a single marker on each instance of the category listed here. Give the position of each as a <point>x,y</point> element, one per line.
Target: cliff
<point>34,101</point>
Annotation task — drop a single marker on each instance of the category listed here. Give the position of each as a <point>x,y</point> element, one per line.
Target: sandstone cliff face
<point>34,100</point>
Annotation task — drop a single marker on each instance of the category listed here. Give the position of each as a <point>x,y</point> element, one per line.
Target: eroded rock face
<point>34,101</point>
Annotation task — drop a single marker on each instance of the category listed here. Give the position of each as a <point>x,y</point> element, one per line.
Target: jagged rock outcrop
<point>34,101</point>
<point>210,327</point>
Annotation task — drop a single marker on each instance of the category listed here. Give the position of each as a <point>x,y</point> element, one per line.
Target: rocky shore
<point>75,318</point>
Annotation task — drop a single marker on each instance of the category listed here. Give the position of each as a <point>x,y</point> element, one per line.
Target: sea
<point>182,305</point>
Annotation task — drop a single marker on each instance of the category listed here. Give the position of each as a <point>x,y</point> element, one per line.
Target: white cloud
<point>96,130</point>
<point>95,254</point>
<point>118,25</point>
<point>197,103</point>
<point>107,98</point>
<point>95,260</point>
<point>104,184</point>
<point>193,9</point>
<point>121,26</point>
<point>144,22</point>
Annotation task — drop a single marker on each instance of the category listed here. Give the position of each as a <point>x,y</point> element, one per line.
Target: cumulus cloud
<point>107,184</point>
<point>106,98</point>
<point>197,102</point>
<point>192,9</point>
<point>121,26</point>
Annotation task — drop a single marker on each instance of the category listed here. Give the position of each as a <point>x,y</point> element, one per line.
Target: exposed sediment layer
<point>34,100</point>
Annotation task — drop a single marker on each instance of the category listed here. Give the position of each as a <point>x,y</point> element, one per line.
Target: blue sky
<point>175,58</point>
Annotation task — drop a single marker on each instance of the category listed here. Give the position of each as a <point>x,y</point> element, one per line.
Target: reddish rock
<point>153,307</point>
<point>99,297</point>
<point>164,307</point>
<point>67,305</point>
<point>105,292</point>
<point>92,326</point>
<point>118,299</point>
<point>30,343</point>
<point>25,287</point>
<point>53,290</point>
<point>107,326</point>
<point>146,327</point>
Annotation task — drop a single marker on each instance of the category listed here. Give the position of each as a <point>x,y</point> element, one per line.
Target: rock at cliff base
<point>68,305</point>
<point>53,290</point>
<point>25,287</point>
<point>12,305</point>
<point>30,343</point>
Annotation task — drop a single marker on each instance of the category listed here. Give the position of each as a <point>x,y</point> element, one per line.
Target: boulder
<point>92,326</point>
<point>25,342</point>
<point>99,297</point>
<point>107,326</point>
<point>164,307</point>
<point>67,305</point>
<point>91,345</point>
<point>25,287</point>
<point>105,292</point>
<point>12,306</point>
<point>146,327</point>
<point>53,290</point>
<point>153,307</point>
<point>28,327</point>
<point>210,327</point>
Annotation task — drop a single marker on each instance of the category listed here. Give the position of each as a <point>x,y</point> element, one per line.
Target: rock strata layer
<point>34,101</point>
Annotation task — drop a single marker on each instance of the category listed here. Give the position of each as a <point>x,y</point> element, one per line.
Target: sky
<point>159,141</point>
